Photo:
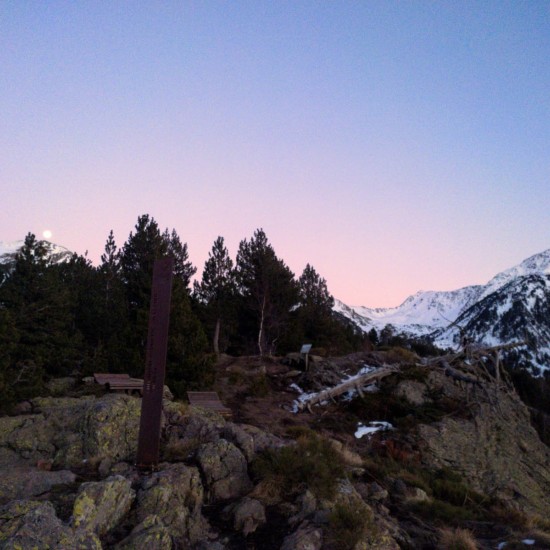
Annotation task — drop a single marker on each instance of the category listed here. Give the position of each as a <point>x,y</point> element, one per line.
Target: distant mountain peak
<point>514,303</point>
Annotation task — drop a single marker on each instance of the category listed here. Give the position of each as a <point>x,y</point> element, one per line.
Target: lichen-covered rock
<point>240,438</point>
<point>175,495</point>
<point>262,440</point>
<point>197,424</point>
<point>225,470</point>
<point>306,537</point>
<point>247,514</point>
<point>412,391</point>
<point>26,525</point>
<point>150,534</point>
<point>497,451</point>
<point>33,437</point>
<point>374,533</point>
<point>110,428</point>
<point>99,506</point>
<point>22,483</point>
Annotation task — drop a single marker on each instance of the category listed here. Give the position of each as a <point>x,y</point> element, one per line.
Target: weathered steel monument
<point>155,365</point>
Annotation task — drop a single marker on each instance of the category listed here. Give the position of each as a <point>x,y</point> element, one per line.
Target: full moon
<point>47,234</point>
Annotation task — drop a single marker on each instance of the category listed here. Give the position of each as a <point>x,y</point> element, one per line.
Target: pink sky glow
<point>395,147</point>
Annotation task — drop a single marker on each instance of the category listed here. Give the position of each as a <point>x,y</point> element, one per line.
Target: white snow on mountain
<point>513,304</point>
<point>426,311</point>
<point>58,253</point>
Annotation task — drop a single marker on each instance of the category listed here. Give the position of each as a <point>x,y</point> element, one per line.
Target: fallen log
<point>354,383</point>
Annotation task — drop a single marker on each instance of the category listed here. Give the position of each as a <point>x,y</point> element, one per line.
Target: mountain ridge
<point>480,311</point>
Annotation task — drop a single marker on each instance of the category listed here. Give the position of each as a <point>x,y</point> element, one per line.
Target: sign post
<point>155,366</point>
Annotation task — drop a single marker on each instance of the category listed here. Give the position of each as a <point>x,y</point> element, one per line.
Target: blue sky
<point>396,146</point>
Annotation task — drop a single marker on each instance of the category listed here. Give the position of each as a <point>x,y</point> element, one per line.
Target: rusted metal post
<point>155,365</point>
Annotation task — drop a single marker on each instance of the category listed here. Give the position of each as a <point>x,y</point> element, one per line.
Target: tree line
<point>60,314</point>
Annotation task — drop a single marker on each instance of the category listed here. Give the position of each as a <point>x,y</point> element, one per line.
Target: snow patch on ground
<point>371,428</point>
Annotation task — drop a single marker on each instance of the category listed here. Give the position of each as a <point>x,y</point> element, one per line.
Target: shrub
<point>258,386</point>
<point>457,539</point>
<point>347,526</point>
<point>438,510</point>
<point>312,462</point>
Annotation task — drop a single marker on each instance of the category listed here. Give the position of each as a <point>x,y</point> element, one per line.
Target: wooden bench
<point>208,400</point>
<point>119,382</point>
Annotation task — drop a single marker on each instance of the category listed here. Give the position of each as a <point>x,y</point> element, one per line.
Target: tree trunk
<point>261,331</point>
<point>217,336</point>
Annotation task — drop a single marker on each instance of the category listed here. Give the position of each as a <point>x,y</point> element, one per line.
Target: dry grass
<point>180,450</point>
<point>457,539</point>
<point>509,516</point>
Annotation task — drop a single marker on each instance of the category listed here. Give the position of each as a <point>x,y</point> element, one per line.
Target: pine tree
<point>187,342</point>
<point>314,293</point>
<point>41,308</point>
<point>267,289</point>
<point>216,291</point>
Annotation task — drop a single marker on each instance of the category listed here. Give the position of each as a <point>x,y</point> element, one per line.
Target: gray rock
<point>306,537</point>
<point>412,391</point>
<point>150,534</point>
<point>175,495</point>
<point>416,494</point>
<point>307,503</point>
<point>22,483</point>
<point>248,514</point>
<point>377,492</point>
<point>27,524</point>
<point>240,438</point>
<point>110,428</point>
<point>225,470</point>
<point>99,506</point>
<point>262,440</point>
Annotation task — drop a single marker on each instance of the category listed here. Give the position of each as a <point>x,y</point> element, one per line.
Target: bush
<point>457,539</point>
<point>347,526</point>
<point>311,462</point>
<point>258,386</point>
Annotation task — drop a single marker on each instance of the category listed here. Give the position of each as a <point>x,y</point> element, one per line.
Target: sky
<point>394,146</point>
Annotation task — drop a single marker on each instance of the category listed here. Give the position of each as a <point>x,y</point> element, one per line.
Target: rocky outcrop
<point>70,430</point>
<point>110,428</point>
<point>27,524</point>
<point>246,515</point>
<point>150,534</point>
<point>225,470</point>
<point>99,506</point>
<point>494,448</point>
<point>175,495</point>
<point>24,482</point>
<point>203,496</point>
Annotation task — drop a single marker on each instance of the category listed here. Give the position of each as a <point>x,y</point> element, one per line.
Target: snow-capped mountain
<point>517,311</point>
<point>512,306</point>
<point>8,248</point>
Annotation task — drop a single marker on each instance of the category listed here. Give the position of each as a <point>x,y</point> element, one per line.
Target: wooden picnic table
<point>119,382</point>
<point>208,400</point>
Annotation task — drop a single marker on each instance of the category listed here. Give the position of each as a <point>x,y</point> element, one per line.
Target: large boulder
<point>22,483</point>
<point>99,506</point>
<point>27,524</point>
<point>110,428</point>
<point>495,449</point>
<point>306,537</point>
<point>247,515</point>
<point>175,496</point>
<point>150,534</point>
<point>70,430</point>
<point>224,468</point>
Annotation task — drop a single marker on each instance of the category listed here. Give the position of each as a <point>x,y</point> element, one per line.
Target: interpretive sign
<point>155,365</point>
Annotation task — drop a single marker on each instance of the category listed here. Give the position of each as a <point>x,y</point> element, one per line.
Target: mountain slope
<point>520,310</point>
<point>512,305</point>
